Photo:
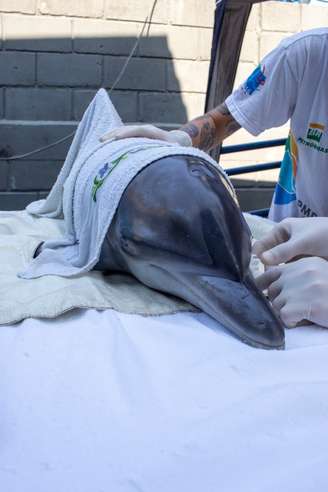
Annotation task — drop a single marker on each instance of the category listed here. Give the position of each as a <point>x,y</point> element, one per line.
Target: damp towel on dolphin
<point>164,213</point>
<point>89,188</point>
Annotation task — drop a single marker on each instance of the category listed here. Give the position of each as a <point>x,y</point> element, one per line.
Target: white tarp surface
<point>107,402</point>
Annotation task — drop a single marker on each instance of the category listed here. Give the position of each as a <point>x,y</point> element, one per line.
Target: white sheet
<point>107,402</point>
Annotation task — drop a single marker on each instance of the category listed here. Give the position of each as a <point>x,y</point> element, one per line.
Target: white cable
<point>118,78</point>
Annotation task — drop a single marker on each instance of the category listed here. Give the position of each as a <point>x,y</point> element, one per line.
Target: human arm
<point>204,132</point>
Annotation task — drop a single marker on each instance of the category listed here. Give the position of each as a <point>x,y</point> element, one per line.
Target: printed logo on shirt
<point>285,189</point>
<point>305,210</point>
<point>315,132</point>
<point>255,80</point>
<point>313,138</point>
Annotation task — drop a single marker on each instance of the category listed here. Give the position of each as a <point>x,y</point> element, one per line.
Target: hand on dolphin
<point>298,290</point>
<point>292,238</point>
<point>178,137</point>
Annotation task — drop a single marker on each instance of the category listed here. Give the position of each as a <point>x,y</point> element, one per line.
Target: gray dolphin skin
<point>179,229</point>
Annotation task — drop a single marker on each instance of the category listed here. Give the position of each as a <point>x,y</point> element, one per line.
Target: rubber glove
<point>148,131</point>
<point>298,290</point>
<point>292,238</point>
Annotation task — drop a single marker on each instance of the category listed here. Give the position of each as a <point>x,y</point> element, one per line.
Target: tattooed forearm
<point>209,130</point>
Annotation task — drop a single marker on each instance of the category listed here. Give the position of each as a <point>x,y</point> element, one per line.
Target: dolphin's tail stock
<point>181,231</point>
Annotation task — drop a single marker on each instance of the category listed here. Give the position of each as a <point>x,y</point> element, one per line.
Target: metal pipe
<point>230,149</point>
<point>253,168</point>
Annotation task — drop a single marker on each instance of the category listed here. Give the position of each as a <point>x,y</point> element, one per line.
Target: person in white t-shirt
<point>289,84</point>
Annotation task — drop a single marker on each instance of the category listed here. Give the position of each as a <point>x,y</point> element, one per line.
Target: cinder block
<point>314,16</point>
<point>198,13</point>
<point>157,43</point>
<point>38,33</point>
<point>16,201</point>
<point>244,70</point>
<point>141,73</point>
<point>137,10</point>
<point>23,6</point>
<point>175,109</point>
<point>250,48</point>
<point>125,103</point>
<point>109,37</point>
<point>187,76</point>
<point>172,42</point>
<point>38,104</point>
<point>204,43</point>
<point>33,175</point>
<point>162,108</point>
<point>81,100</point>
<point>69,69</point>
<point>282,17</point>
<point>20,138</point>
<point>4,166</point>
<point>256,198</point>
<point>17,68</point>
<point>269,41</point>
<point>77,8</point>
<point>254,18</point>
<point>194,104</point>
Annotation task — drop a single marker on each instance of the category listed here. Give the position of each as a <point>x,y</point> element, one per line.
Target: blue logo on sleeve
<point>254,81</point>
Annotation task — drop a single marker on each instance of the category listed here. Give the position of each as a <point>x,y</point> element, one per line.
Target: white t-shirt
<point>292,83</point>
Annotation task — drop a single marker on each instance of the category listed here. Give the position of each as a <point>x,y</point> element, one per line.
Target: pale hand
<point>148,131</point>
<point>298,291</point>
<point>292,238</point>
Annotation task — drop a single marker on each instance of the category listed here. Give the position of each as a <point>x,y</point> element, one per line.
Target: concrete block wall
<point>55,54</point>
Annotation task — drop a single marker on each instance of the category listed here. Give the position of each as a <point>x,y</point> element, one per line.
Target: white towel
<point>89,187</point>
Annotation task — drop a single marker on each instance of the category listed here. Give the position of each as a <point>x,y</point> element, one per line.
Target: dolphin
<point>179,229</point>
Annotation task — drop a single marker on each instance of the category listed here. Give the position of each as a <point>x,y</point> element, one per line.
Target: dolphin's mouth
<point>238,305</point>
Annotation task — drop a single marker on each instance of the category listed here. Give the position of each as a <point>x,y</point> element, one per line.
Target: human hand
<point>292,238</point>
<point>148,131</point>
<point>298,290</point>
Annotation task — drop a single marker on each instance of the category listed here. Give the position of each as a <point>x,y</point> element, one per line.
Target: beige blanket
<point>50,296</point>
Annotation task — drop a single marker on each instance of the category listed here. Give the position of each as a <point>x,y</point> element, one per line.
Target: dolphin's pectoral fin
<point>238,305</point>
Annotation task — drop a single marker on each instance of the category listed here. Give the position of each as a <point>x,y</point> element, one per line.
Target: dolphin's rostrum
<point>179,229</point>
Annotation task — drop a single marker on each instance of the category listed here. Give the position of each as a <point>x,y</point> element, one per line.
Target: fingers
<point>118,133</point>
<point>133,131</point>
<point>282,253</point>
<point>275,247</point>
<point>264,281</point>
<point>291,314</point>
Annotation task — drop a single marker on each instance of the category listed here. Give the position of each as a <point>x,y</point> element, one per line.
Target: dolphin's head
<point>179,229</point>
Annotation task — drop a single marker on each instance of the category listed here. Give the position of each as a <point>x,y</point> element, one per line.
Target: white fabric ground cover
<point>107,402</point>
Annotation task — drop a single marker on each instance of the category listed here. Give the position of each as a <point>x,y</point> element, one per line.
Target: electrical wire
<point>118,78</point>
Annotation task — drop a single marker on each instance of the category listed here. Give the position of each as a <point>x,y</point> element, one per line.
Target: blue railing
<point>230,149</point>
